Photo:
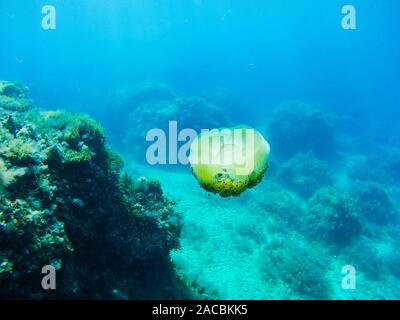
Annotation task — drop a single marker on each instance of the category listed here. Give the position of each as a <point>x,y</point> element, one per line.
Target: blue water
<point>246,58</point>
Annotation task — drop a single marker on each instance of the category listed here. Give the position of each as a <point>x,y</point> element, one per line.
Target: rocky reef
<point>65,202</point>
<point>13,96</point>
<point>392,166</point>
<point>296,266</point>
<point>334,217</point>
<point>304,174</point>
<point>136,110</point>
<point>301,127</point>
<point>374,202</point>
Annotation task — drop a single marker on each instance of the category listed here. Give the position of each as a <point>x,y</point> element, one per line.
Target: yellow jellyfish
<point>228,161</point>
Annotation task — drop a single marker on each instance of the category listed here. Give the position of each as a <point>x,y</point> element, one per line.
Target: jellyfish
<point>228,161</point>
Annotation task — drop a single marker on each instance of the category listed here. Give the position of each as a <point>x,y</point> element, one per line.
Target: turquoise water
<point>325,98</point>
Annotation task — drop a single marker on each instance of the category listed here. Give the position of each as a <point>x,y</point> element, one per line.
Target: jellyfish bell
<point>228,161</point>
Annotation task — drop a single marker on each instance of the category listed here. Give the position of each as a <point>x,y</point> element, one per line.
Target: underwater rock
<point>228,161</point>
<point>64,202</point>
<point>371,167</point>
<point>280,202</point>
<point>117,111</point>
<point>365,257</point>
<point>374,202</point>
<point>301,268</point>
<point>392,166</point>
<point>128,99</point>
<point>300,127</point>
<point>334,217</point>
<point>131,116</point>
<point>193,113</point>
<point>393,261</point>
<point>304,174</point>
<point>13,96</point>
<point>367,169</point>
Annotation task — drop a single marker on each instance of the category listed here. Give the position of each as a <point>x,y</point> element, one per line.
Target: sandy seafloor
<point>227,265</point>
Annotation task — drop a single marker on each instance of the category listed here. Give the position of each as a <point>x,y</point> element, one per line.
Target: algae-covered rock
<point>365,257</point>
<point>333,217</point>
<point>304,174</point>
<point>135,111</point>
<point>13,96</point>
<point>301,268</point>
<point>65,203</point>
<point>13,89</point>
<point>301,127</point>
<point>374,202</point>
